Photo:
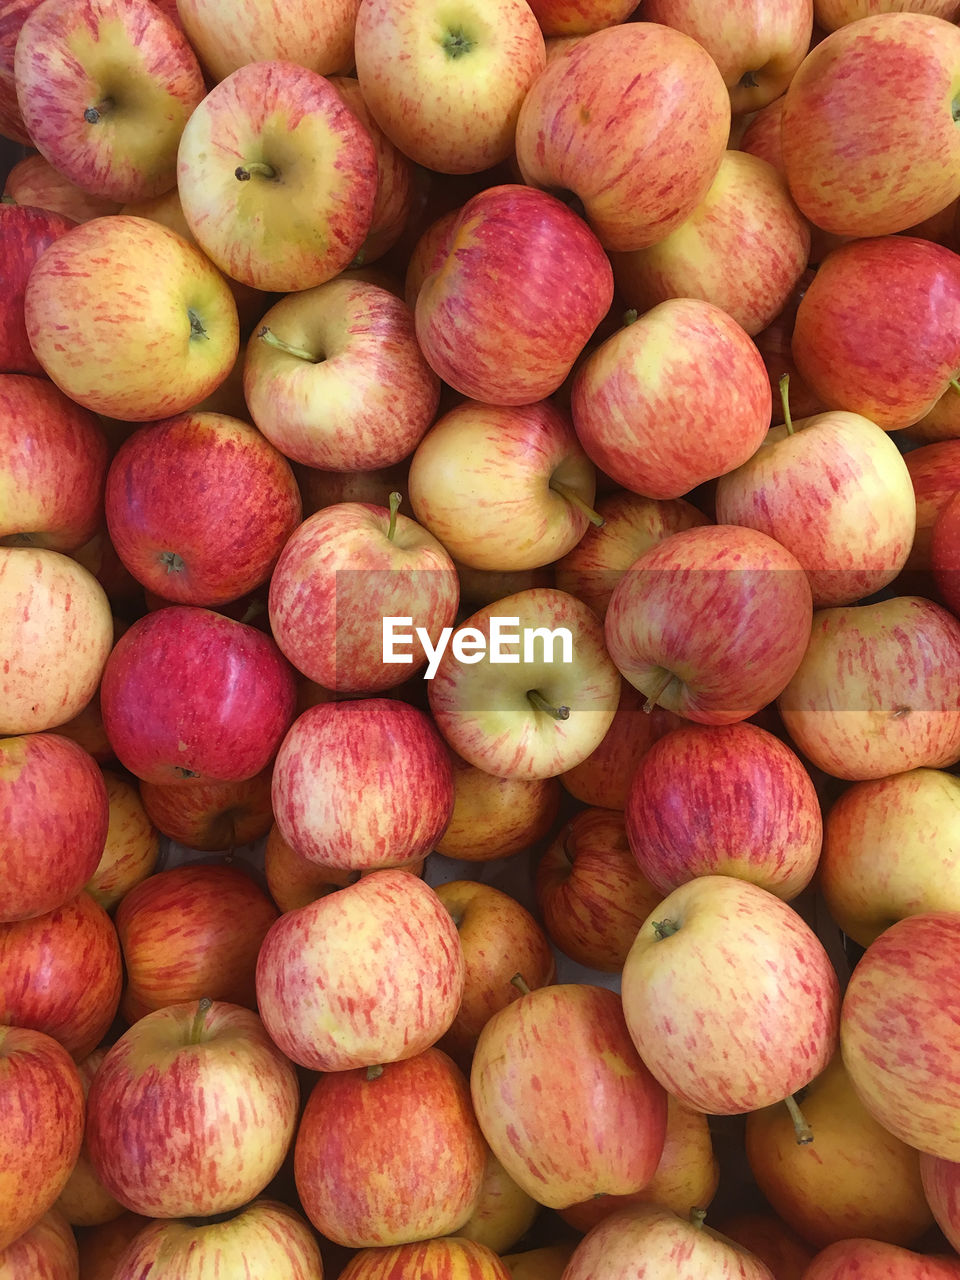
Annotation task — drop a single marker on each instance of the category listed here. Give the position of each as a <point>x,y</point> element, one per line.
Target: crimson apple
<point>24,232</point>
<point>211,816</point>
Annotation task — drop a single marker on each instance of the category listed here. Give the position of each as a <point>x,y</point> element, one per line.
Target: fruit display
<point>480,640</point>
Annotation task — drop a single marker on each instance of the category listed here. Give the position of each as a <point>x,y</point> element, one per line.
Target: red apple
<point>851,1259</point>
<point>448,1258</point>
<point>34,181</point>
<point>945,553</point>
<point>211,816</point>
<point>228,36</point>
<point>941,1185</point>
<point>48,1251</point>
<point>25,232</point>
<point>935,471</point>
<point>83,1201</point>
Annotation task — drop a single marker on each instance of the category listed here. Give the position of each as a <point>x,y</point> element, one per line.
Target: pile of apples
<point>456,445</point>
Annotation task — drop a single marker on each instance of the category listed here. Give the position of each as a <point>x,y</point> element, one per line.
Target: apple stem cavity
<point>199,1018</point>
<point>698,1217</point>
<point>375,1071</point>
<point>659,690</point>
<point>395,499</point>
<point>665,929</point>
<point>570,495</point>
<point>7,200</point>
<point>541,704</point>
<point>801,1128</point>
<point>456,43</point>
<point>255,169</point>
<point>93,115</point>
<point>785,401</point>
<point>266,334</point>
<point>520,982</point>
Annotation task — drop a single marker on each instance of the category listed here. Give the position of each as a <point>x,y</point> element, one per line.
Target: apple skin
<point>358,1185</point>
<point>362,784</point>
<point>754,593</point>
<point>495,817</point>
<point>211,816</point>
<point>944,558</point>
<point>34,181</point>
<point>909,64</point>
<point>590,892</point>
<point>724,800</point>
<point>11,20</point>
<point>831,14</point>
<point>631,525</point>
<point>302,223</point>
<point>868,304</point>
<point>900,983</point>
<point>501,318</point>
<point>579,17</point>
<point>890,850</point>
<point>449,1258</point>
<point>294,881</point>
<point>56,617</point>
<point>323,1002</point>
<point>48,1251</point>
<point>266,1237</point>
<point>54,816</point>
<point>163,525</point>
<point>480,482</point>
<point>83,1201</point>
<point>502,1213</point>
<point>485,714</point>
<point>450,103</point>
<point>771,1240</point>
<point>634,121</point>
<point>178,308</point>
<point>132,846</point>
<point>545,1263</point>
<point>739,1006</point>
<point>189,932</point>
<point>652,1240</point>
<point>344,570</point>
<point>551,1072</point>
<point>688,1173</point>
<point>24,232</point>
<point>935,471</point>
<point>190,694</point>
<point>851,1259</point>
<point>499,939</point>
<point>364,403</point>
<point>42,1100</point>
<point>660,424</point>
<point>876,691</point>
<point>101,1248</point>
<point>228,36</point>
<point>61,974</point>
<point>941,1186</point>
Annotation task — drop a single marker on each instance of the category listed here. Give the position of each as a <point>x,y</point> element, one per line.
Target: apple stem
<point>665,929</point>
<point>570,495</point>
<point>395,499</point>
<point>541,704</point>
<point>199,1018</point>
<point>267,335</point>
<point>630,316</point>
<point>93,115</point>
<point>955,383</point>
<point>785,401</point>
<point>659,690</point>
<point>520,983</point>
<point>375,1071</point>
<point>801,1128</point>
<point>7,200</point>
<point>256,168</point>
<point>698,1217</point>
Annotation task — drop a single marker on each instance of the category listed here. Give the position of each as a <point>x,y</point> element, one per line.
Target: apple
<point>495,817</point>
<point>763,135</point>
<point>227,37</point>
<point>724,800</point>
<point>941,1179</point>
<point>61,973</point>
<point>499,939</point>
<point>711,623</point>
<point>543,715</point>
<point>11,20</point>
<point>942,422</point>
<point>54,815</point>
<point>324,488</point>
<point>177,308</point>
<point>943,554</point>
<point>876,691</point>
<point>189,932</point>
<point>503,1213</point>
<point>655,1240</point>
<point>687,1175</point>
<point>590,892</point>
<point>83,1201</point>
<point>101,1248</point>
<point>295,881</point>
<point>235,1098</point>
<point>730,997</point>
<point>105,88</point>
<point>56,617</point>
<point>850,1259</point>
<point>25,232</point>
<point>603,779</point>
<point>370,974</point>
<point>431,248</point>
<point>854,1179</point>
<point>132,846</point>
<point>277,177</point>
<point>571,18</point>
<point>563,1098</point>
<point>161,520</point>
<point>450,103</point>
<point>447,1258</point>
<point>633,121</point>
<point>211,816</point>
<point>99,556</point>
<point>334,378</point>
<point>47,1251</point>
<point>774,345</point>
<point>650,410</point>
<point>906,1082</point>
<point>771,1240</point>
<point>830,142</point>
<point>831,14</point>
<point>869,305</point>
<point>265,1235</point>
<point>362,784</point>
<point>501,317</point>
<point>546,1263</point>
<point>834,489</point>
<point>190,694</point>
<point>87,731</point>
<point>358,1185</point>
<point>935,471</point>
<point>42,1101</point>
<point>34,181</point>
